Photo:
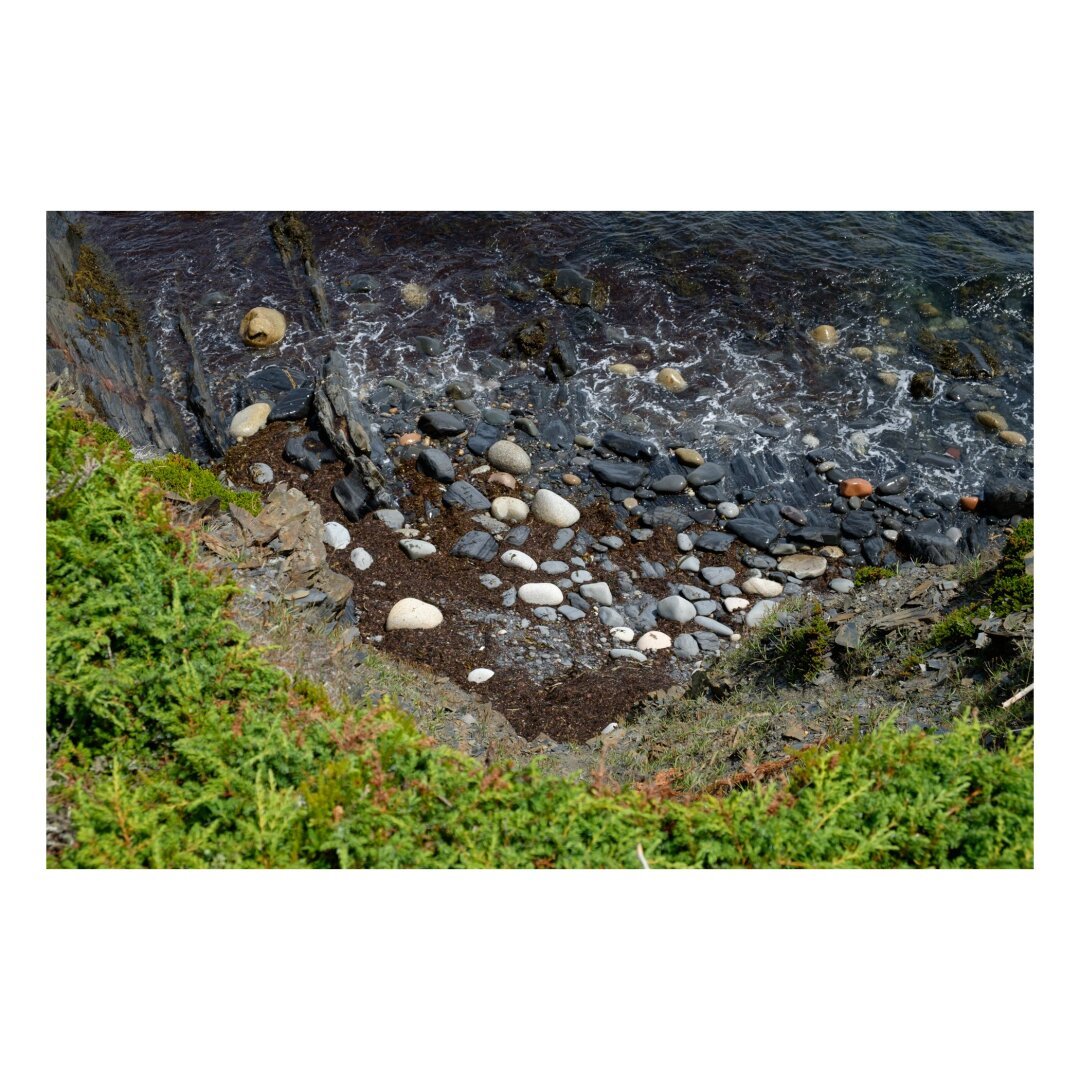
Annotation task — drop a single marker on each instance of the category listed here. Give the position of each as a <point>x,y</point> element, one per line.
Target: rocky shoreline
<point>471,528</point>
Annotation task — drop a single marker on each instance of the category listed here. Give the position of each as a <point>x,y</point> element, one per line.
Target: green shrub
<point>174,744</point>
<point>182,476</point>
<point>865,574</point>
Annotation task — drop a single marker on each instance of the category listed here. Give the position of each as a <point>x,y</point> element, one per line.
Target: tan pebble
<point>889,378</point>
<point>861,352</point>
<point>672,380</point>
<point>884,320</point>
<point>688,456</point>
<point>1012,438</point>
<point>630,503</point>
<point>885,350</point>
<point>249,421</point>
<point>393,410</point>
<point>409,438</point>
<point>416,296</point>
<point>623,369</point>
<point>830,551</point>
<point>824,334</point>
<point>503,479</point>
<point>992,420</point>
<point>571,479</point>
<point>262,326</point>
<point>927,310</point>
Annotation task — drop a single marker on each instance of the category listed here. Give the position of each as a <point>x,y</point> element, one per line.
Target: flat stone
<point>572,613</point>
<point>518,559</point>
<point>849,636</point>
<point>554,566</point>
<point>490,581</point>
<point>676,609</point>
<point>735,603</point>
<point>628,446</point>
<point>336,535</point>
<point>417,549</point>
<point>759,612</point>
<point>517,535</point>
<point>671,484</point>
<point>690,563</point>
<point>654,641</point>
<point>546,612</point>
<point>392,519</point>
<point>361,558</point>
<point>509,457</point>
<point>841,585</point>
<point>540,592</point>
<point>598,591</point>
<point>718,575</point>
<point>627,654</point>
<point>709,473</point>
<point>754,531</point>
<point>478,545</point>
<point>553,509</point>
<point>618,473</point>
<point>562,538</point>
<point>713,626</point>
<point>462,493</point>
<point>803,567</point>
<point>714,541</point>
<point>436,464</point>
<point>442,425</point>
<point>760,586</point>
<point>413,614</point>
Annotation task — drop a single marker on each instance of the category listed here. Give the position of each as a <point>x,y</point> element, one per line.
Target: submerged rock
<point>262,327</point>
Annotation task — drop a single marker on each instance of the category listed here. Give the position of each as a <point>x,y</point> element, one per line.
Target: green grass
<point>173,743</point>
<point>865,574</point>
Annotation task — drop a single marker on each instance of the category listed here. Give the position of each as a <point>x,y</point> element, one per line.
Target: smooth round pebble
<point>413,614</point>
<point>553,509</point>
<point>542,593</point>
<point>513,557</point>
<point>249,421</point>
<point>760,586</point>
<point>509,457</point>
<point>654,641</point>
<point>261,473</point>
<point>841,585</point>
<point>676,609</point>
<point>507,508</point>
<point>622,633</point>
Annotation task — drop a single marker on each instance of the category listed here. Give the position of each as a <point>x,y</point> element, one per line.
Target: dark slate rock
<point>436,464</point>
<point>293,405</point>
<point>895,502</point>
<point>709,473</point>
<point>753,531</point>
<point>478,545</point>
<point>360,283</point>
<point>703,516</point>
<point>564,358</point>
<point>938,461</point>
<point>557,434</point>
<point>620,493</point>
<point>620,473</point>
<point>562,538</point>
<point>462,493</point>
<point>893,485</point>
<point>947,500</point>
<point>850,547</point>
<point>497,418</point>
<point>528,425</point>
<point>759,562</point>
<point>1003,497</point>
<point>270,383</point>
<point>629,446</point>
<point>933,548</point>
<point>873,548</point>
<point>482,438</point>
<point>671,516</point>
<point>711,493</point>
<point>309,452</point>
<point>794,515</point>
<point>467,407</point>
<point>858,524</point>
<point>817,535</point>
<point>442,425</point>
<point>578,601</point>
<point>354,496</point>
<point>517,536</point>
<point>671,484</point>
<point>714,541</point>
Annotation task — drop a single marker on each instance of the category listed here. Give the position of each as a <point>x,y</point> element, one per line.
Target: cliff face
<point>98,349</point>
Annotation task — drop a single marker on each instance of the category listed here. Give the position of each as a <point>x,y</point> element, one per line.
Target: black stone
<point>478,545</point>
<point>294,405</point>
<point>497,418</point>
<point>354,496</point>
<point>893,485</point>
<point>436,464</point>
<point>619,473</point>
<point>709,473</point>
<point>873,547</point>
<point>309,452</point>
<point>482,439</point>
<point>858,524</point>
<point>895,502</point>
<point>527,425</point>
<point>794,515</point>
<point>817,535</point>
<point>671,516</point>
<point>938,461</point>
<point>1006,498</point>
<point>714,541</point>
<point>360,283</point>
<point>269,383</point>
<point>557,434</point>
<point>703,516</point>
<point>629,446</point>
<point>753,531</point>
<point>564,358</point>
<point>710,493</point>
<point>933,548</point>
<point>442,425</point>
<point>671,484</point>
<point>619,493</point>
<point>579,602</point>
<point>462,493</point>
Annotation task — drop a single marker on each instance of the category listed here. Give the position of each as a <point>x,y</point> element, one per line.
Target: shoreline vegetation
<point>174,742</point>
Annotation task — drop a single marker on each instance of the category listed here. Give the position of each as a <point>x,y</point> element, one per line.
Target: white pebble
<point>336,535</point>
<point>513,557</point>
<point>480,674</point>
<point>361,558</point>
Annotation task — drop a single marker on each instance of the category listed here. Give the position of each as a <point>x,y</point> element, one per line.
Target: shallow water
<point>727,298</point>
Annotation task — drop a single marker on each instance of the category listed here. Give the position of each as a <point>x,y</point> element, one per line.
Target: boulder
<point>262,327</point>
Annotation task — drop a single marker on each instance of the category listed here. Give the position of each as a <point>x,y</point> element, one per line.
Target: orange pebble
<point>854,487</point>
